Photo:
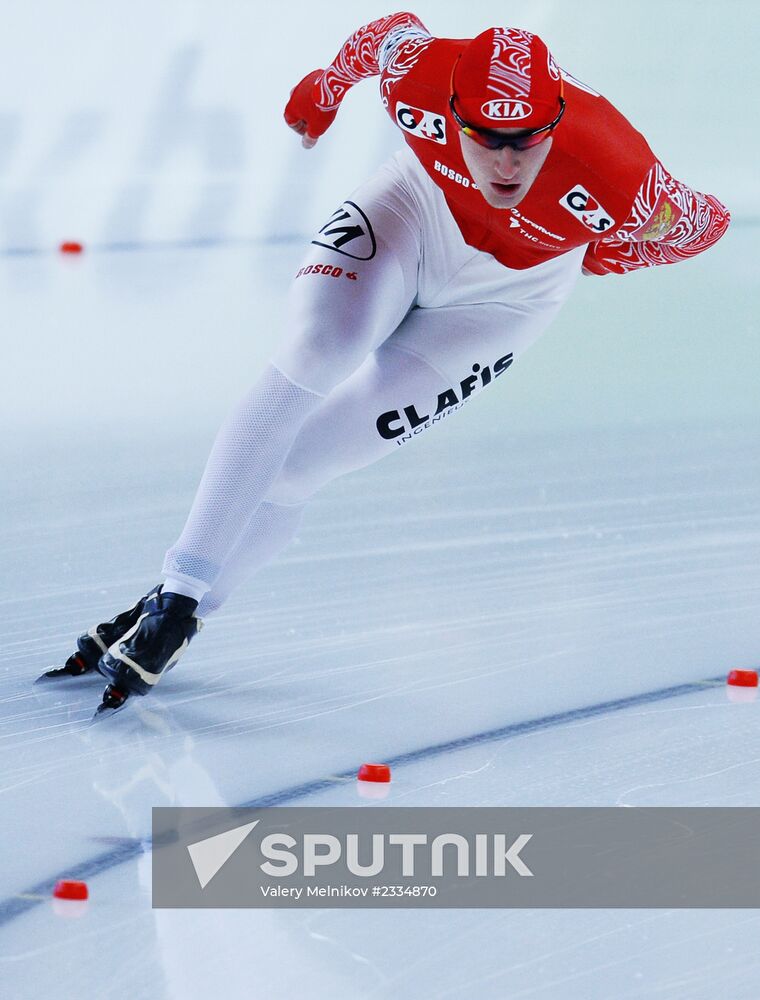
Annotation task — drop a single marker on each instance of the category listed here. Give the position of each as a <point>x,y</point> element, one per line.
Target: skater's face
<point>504,176</point>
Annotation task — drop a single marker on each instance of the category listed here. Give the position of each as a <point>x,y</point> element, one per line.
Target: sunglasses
<point>497,140</point>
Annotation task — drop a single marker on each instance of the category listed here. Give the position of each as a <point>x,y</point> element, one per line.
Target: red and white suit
<point>416,294</point>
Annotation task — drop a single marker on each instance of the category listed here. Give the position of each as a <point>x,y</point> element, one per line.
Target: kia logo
<point>506,110</point>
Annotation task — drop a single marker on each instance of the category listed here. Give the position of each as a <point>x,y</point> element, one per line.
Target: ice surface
<point>584,532</point>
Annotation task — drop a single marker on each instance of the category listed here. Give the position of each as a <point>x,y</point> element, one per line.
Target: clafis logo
<point>585,207</point>
<point>421,123</point>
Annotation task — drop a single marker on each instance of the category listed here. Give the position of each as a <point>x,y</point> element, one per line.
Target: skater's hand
<point>302,113</point>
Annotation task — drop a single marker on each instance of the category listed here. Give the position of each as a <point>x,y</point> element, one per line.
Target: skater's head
<point>506,99</point>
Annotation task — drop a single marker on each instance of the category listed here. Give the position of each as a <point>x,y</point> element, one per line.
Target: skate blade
<point>62,680</point>
<point>49,678</point>
<point>65,672</point>
<point>108,707</point>
<point>105,712</point>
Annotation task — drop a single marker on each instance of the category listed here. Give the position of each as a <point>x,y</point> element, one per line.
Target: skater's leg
<point>366,416</point>
<point>337,438</point>
<point>268,532</point>
<point>247,454</point>
<point>435,363</point>
<point>340,309</point>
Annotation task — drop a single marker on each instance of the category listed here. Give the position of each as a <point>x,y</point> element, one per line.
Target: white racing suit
<point>393,322</point>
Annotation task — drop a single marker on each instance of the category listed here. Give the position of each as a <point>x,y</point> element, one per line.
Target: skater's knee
<point>318,359</point>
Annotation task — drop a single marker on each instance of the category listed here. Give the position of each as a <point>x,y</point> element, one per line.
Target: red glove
<point>302,113</point>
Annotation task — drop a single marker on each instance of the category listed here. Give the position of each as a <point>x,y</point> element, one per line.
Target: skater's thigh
<point>434,364</point>
<point>348,430</point>
<point>464,340</point>
<point>355,285</point>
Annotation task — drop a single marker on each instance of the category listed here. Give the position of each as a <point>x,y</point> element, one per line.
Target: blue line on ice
<point>15,906</point>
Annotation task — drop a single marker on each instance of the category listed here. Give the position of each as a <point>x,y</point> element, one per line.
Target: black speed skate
<point>136,661</point>
<point>91,645</point>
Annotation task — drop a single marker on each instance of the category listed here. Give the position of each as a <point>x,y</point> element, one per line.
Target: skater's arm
<point>314,102</point>
<point>668,222</point>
